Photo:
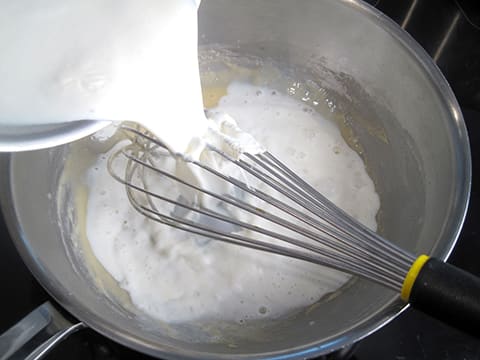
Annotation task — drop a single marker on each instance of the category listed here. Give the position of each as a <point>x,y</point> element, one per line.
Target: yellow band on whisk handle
<point>445,292</point>
<point>412,276</point>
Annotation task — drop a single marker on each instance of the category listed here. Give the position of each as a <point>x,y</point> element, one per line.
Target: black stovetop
<point>450,31</point>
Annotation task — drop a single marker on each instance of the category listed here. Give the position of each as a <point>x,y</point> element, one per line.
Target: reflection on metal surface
<point>466,15</point>
<point>446,37</point>
<point>455,113</point>
<point>409,14</point>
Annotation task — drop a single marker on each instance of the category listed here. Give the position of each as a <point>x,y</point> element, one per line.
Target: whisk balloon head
<point>253,201</point>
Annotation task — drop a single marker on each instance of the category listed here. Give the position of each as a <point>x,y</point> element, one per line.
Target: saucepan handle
<point>36,334</point>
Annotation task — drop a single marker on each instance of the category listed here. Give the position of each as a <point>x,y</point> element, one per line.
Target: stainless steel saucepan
<point>410,132</point>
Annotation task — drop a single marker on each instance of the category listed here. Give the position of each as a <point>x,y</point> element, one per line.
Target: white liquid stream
<point>137,60</point>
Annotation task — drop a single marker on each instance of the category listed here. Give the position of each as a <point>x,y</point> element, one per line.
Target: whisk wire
<point>330,208</point>
<point>339,241</point>
<point>317,257</point>
<point>338,232</point>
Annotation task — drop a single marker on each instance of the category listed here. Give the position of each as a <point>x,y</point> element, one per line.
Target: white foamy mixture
<point>174,276</point>
<point>66,60</point>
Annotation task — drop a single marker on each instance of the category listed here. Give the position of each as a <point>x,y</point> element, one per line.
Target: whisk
<point>304,224</point>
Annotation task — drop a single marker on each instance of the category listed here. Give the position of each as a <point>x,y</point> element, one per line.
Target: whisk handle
<point>447,293</point>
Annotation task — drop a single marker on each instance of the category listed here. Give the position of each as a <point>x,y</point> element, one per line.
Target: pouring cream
<point>66,60</point>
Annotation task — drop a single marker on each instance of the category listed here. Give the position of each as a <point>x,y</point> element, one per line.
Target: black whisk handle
<point>445,292</point>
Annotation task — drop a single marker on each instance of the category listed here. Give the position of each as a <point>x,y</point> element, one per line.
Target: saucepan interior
<point>395,109</point>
